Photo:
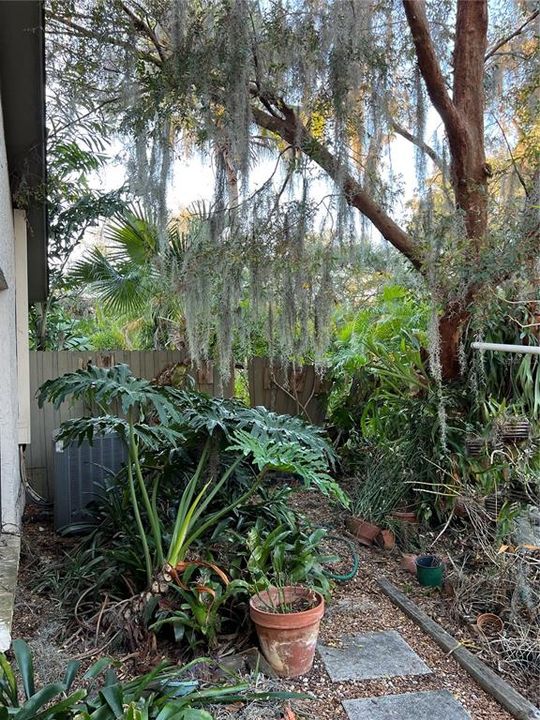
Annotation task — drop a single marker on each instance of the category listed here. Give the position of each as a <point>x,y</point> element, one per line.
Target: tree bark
<point>463,114</point>
<point>463,118</point>
<point>451,324</point>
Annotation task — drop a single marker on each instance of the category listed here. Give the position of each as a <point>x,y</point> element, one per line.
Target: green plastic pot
<point>429,571</point>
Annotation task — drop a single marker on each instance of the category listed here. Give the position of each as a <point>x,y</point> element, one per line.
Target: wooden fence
<point>290,389</point>
<point>296,393</point>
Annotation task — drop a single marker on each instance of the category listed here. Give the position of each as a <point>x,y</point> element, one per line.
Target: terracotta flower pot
<point>408,563</point>
<point>387,539</point>
<point>288,640</point>
<point>363,531</point>
<point>489,624</point>
<point>405,516</point>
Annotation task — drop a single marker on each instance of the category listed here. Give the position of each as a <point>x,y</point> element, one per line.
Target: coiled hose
<point>355,557</point>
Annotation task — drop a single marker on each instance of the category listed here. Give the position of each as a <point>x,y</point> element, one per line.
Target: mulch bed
<point>357,606</point>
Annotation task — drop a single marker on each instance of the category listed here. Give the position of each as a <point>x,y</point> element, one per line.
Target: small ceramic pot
<point>429,571</point>
<point>489,624</point>
<point>386,539</point>
<point>408,563</point>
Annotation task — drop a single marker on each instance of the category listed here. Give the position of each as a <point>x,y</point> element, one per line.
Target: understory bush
<point>403,433</point>
<point>180,521</point>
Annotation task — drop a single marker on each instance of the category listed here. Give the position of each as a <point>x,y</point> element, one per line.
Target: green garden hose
<point>345,577</point>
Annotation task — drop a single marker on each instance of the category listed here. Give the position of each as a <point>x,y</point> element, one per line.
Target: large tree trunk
<point>450,329</point>
<point>463,117</point>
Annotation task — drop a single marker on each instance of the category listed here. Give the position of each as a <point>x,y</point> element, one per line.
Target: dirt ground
<point>356,606</point>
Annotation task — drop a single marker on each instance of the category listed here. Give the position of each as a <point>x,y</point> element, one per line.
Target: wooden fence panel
<point>287,388</point>
<point>282,388</point>
<point>44,421</point>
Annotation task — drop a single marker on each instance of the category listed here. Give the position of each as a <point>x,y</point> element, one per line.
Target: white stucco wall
<point>10,487</point>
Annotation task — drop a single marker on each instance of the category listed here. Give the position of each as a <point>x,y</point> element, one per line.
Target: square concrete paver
<point>373,655</point>
<point>438,705</point>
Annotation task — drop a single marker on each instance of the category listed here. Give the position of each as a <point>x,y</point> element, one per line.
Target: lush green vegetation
<point>404,435</point>
<point>292,267</point>
<point>167,691</point>
<point>192,515</point>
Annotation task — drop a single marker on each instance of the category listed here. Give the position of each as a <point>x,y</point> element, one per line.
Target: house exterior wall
<point>11,495</point>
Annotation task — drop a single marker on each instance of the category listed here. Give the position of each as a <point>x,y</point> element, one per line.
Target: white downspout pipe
<point>500,347</point>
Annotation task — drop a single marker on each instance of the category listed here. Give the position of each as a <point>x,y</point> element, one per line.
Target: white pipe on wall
<point>524,349</point>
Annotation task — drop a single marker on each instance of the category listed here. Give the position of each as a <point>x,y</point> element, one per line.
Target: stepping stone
<point>370,656</point>
<point>438,705</point>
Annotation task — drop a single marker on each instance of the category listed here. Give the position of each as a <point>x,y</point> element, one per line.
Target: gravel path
<point>360,606</point>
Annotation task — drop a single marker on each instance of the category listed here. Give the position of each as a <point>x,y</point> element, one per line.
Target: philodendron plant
<point>148,417</point>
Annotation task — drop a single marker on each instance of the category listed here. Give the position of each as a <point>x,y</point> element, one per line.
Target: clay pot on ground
<point>405,516</point>
<point>386,539</point>
<point>408,563</point>
<point>288,639</point>
<point>489,624</point>
<point>365,532</point>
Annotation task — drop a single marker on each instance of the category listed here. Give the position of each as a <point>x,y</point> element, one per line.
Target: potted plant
<point>476,445</point>
<point>287,621</point>
<point>515,428</point>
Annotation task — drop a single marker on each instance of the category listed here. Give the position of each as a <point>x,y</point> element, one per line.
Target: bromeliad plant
<point>164,693</point>
<point>152,419</point>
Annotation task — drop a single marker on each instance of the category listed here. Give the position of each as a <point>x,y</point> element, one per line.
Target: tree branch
<point>139,24</point>
<point>513,160</point>
<point>76,29</point>
<point>492,50</point>
<point>292,130</point>
<point>430,152</point>
<point>430,69</point>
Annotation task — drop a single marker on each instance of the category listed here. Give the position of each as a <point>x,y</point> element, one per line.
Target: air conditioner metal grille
<point>79,473</point>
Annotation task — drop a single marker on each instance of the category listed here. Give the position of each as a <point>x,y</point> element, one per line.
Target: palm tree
<point>134,277</point>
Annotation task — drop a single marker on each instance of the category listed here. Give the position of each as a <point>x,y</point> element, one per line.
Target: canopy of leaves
<point>315,84</point>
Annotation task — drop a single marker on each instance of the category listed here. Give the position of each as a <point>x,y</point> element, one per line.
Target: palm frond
<point>121,286</point>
